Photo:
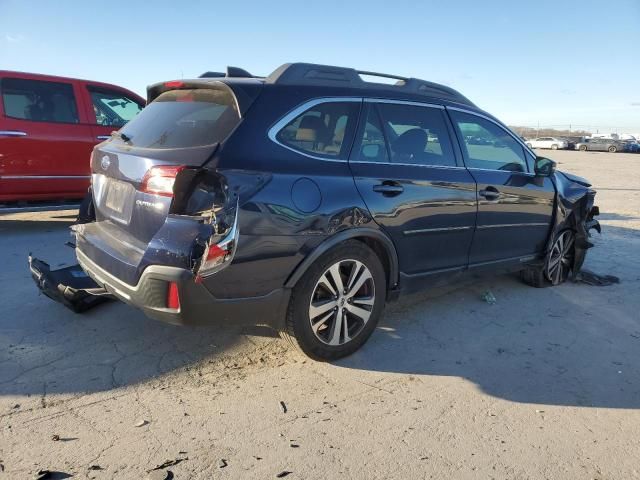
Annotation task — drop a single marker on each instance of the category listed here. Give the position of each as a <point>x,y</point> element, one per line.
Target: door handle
<point>12,133</point>
<point>103,137</point>
<point>389,188</point>
<point>490,193</point>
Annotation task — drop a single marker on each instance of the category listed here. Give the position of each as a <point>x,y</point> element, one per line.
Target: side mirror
<point>544,167</point>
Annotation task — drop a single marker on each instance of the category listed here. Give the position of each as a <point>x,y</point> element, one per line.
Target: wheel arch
<point>377,240</point>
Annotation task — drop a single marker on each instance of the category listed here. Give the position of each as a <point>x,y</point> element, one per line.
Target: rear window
<point>184,118</point>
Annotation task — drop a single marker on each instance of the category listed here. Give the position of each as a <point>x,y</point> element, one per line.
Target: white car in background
<point>553,143</point>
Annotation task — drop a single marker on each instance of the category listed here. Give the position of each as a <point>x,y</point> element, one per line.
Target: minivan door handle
<point>389,188</point>
<point>12,133</point>
<point>490,193</point>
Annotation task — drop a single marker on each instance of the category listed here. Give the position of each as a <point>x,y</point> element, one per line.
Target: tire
<point>612,149</point>
<point>583,148</point>
<point>315,334</point>
<point>554,147</point>
<point>557,264</point>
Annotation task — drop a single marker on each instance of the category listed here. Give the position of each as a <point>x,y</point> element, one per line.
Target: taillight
<point>174,84</point>
<point>173,298</point>
<point>219,255</point>
<point>159,180</point>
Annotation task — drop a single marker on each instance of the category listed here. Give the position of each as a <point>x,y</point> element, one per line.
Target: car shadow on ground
<point>571,345</point>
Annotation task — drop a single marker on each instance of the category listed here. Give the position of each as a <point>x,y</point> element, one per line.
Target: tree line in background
<point>531,132</point>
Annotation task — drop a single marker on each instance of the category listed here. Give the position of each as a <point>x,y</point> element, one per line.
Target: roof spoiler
<point>232,72</point>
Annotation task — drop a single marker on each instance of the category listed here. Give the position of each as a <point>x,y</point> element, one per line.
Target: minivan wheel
<point>554,147</point>
<point>583,148</point>
<point>557,264</point>
<point>337,303</point>
<point>612,149</point>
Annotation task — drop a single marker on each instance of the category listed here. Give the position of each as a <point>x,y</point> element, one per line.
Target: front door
<point>406,170</point>
<point>515,208</point>
<point>110,109</point>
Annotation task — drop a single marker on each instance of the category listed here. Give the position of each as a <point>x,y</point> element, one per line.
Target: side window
<point>112,108</point>
<point>372,146</point>
<point>487,145</point>
<point>322,130</point>
<point>39,101</point>
<point>416,135</point>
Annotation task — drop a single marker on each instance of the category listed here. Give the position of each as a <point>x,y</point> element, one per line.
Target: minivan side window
<point>416,135</point>
<point>323,130</point>
<point>488,145</point>
<point>112,108</point>
<point>39,101</point>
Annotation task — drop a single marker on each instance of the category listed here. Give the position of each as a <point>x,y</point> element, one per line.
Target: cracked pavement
<point>543,384</point>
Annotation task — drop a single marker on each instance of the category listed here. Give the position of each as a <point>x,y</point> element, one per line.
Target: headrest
<point>411,142</point>
<point>312,129</point>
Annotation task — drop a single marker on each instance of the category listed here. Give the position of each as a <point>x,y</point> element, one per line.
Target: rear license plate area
<point>118,200</point>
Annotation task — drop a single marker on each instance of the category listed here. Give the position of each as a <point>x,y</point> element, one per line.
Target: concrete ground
<point>545,384</point>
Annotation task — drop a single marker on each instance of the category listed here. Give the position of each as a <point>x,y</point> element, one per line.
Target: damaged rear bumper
<point>197,305</point>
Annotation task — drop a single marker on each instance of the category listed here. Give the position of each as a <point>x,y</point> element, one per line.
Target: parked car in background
<point>632,147</point>
<point>48,127</point>
<point>601,145</point>
<point>306,199</point>
<point>553,143</point>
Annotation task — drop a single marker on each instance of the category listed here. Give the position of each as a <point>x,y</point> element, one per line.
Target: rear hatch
<point>137,175</point>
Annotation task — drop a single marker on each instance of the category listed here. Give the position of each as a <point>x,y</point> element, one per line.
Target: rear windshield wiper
<point>125,138</point>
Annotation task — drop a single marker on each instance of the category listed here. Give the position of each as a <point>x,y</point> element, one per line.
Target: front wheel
<point>557,264</point>
<point>612,149</point>
<point>336,305</point>
<point>583,148</point>
<point>554,147</point>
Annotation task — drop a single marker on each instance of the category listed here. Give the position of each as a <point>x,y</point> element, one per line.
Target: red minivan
<point>48,127</point>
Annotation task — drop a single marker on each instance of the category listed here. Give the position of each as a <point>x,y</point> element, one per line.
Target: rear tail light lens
<point>173,297</point>
<point>219,255</point>
<point>160,180</point>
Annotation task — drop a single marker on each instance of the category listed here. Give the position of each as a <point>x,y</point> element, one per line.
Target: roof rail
<point>327,75</point>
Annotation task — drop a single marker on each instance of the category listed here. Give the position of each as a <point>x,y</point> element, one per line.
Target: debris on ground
<point>489,297</point>
<point>283,474</point>
<point>55,437</point>
<point>140,423</point>
<point>51,475</point>
<point>595,279</point>
<point>222,463</point>
<point>283,406</point>
<point>168,463</point>
<point>159,475</point>
<point>95,467</point>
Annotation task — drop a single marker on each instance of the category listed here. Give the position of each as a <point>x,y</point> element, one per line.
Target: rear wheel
<point>554,147</point>
<point>613,149</point>
<point>583,148</point>
<point>337,303</point>
<point>557,264</point>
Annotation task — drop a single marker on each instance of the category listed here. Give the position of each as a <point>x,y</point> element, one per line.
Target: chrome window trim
<point>515,137</point>
<point>303,107</point>
<point>403,102</point>
<point>529,174</point>
<point>444,167</point>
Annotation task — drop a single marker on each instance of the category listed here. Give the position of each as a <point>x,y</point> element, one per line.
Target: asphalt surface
<point>544,384</point>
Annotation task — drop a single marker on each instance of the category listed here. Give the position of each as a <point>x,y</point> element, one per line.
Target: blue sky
<point>555,62</point>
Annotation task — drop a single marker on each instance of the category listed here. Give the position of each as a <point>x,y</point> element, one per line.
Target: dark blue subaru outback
<point>307,199</point>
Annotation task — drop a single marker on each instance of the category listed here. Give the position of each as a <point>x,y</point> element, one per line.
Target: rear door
<point>406,170</point>
<point>515,207</point>
<point>44,140</point>
<point>109,109</point>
